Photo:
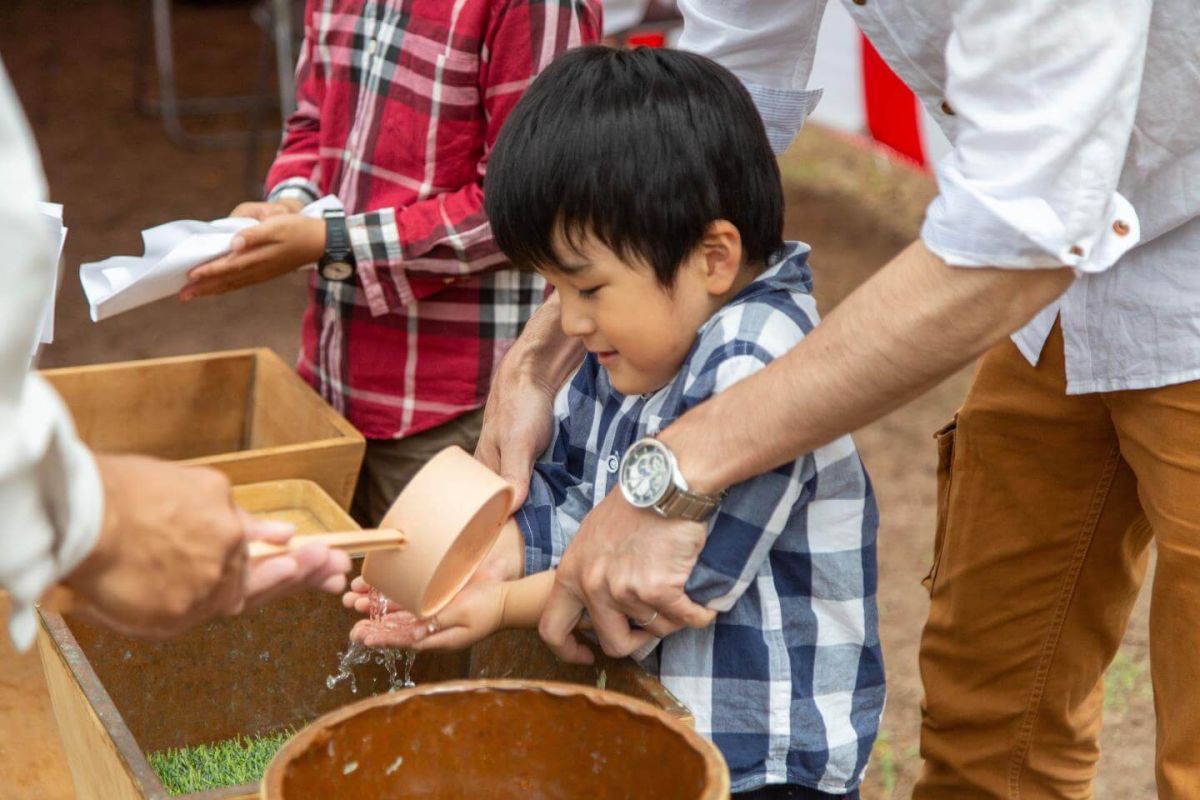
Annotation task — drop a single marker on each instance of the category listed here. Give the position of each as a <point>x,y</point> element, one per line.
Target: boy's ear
<point>722,246</point>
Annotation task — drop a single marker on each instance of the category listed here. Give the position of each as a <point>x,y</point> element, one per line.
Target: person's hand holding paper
<point>172,250</point>
<point>279,244</point>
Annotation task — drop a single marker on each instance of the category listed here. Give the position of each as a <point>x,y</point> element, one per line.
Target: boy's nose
<point>575,323</point>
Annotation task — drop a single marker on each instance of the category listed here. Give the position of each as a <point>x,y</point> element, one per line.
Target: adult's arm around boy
<point>911,325</point>
<point>518,419</point>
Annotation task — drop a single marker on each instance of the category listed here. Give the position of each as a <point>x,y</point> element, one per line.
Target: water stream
<point>387,657</point>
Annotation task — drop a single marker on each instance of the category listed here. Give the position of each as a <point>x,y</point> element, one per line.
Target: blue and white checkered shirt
<point>788,682</point>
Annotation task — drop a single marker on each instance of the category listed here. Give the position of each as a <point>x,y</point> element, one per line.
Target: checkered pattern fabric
<point>789,681</point>
<point>398,105</point>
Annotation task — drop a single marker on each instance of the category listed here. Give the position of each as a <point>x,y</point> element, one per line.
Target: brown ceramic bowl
<point>497,739</point>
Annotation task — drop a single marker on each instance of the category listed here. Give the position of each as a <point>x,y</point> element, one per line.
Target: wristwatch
<point>337,264</point>
<point>650,478</point>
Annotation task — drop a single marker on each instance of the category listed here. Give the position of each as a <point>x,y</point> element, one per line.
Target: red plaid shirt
<point>398,105</point>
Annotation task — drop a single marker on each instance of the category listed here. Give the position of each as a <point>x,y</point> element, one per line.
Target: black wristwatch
<point>337,264</point>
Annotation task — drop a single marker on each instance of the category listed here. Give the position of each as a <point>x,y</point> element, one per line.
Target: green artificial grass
<point>213,766</point>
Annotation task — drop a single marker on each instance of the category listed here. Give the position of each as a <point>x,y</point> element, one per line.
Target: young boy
<point>398,106</point>
<point>642,186</point>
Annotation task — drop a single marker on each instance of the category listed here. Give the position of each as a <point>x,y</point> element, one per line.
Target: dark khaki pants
<point>1047,504</point>
<point>390,464</point>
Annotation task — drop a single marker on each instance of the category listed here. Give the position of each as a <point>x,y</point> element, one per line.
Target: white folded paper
<point>120,283</point>
<point>53,213</point>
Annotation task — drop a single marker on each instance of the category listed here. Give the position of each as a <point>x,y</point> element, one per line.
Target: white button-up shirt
<point>50,492</point>
<point>1075,143</point>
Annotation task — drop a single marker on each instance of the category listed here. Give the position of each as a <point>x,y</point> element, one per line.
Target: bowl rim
<point>716,773</point>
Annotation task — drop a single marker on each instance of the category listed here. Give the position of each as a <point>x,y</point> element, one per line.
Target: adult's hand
<point>172,552</point>
<point>309,566</point>
<point>518,419</point>
<point>279,244</point>
<point>625,565</point>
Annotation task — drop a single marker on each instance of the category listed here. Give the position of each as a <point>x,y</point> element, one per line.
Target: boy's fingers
<point>458,638</point>
<point>376,635</point>
<point>451,616</point>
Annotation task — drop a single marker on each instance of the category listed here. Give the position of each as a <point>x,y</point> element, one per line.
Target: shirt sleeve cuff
<point>966,227</point>
<point>60,508</point>
<point>375,240</point>
<point>295,188</point>
<point>538,548</point>
<point>783,112</point>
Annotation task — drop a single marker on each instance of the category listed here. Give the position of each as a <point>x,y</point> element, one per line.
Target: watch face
<point>336,271</point>
<point>645,475</point>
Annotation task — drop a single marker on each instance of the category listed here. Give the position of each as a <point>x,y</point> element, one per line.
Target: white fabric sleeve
<point>769,45</point>
<point>49,487</point>
<point>1045,94</point>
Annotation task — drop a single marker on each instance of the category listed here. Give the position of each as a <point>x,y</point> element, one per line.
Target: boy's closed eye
<point>589,292</point>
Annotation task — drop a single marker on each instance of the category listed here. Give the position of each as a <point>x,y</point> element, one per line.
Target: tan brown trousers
<point>1047,505</point>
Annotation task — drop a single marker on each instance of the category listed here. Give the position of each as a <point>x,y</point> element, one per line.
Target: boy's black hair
<point>642,148</point>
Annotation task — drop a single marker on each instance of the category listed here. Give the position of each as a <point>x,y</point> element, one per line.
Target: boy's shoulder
<point>765,320</point>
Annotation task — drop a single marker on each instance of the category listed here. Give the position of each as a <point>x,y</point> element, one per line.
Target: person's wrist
<point>106,545</point>
<point>696,464</point>
<point>313,235</point>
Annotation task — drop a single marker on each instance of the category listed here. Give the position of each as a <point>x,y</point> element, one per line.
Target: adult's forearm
<point>908,327</point>
<point>544,353</point>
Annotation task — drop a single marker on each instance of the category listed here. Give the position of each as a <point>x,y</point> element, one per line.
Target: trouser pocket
<point>945,469</point>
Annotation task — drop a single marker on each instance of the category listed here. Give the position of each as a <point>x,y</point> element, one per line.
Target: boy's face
<point>641,332</point>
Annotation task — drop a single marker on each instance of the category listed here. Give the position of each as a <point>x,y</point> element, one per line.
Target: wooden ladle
<point>353,542</point>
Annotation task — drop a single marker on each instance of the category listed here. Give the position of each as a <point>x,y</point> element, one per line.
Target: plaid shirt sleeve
<point>753,513</point>
<point>295,172</point>
<point>447,234</point>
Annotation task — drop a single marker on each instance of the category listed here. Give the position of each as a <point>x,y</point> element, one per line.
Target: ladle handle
<point>353,542</point>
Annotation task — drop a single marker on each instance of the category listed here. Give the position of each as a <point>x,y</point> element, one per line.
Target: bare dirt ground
<point>72,63</point>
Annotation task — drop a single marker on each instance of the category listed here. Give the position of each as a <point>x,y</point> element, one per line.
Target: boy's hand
<point>400,628</point>
<point>473,615</point>
<point>278,245</point>
<point>260,211</point>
